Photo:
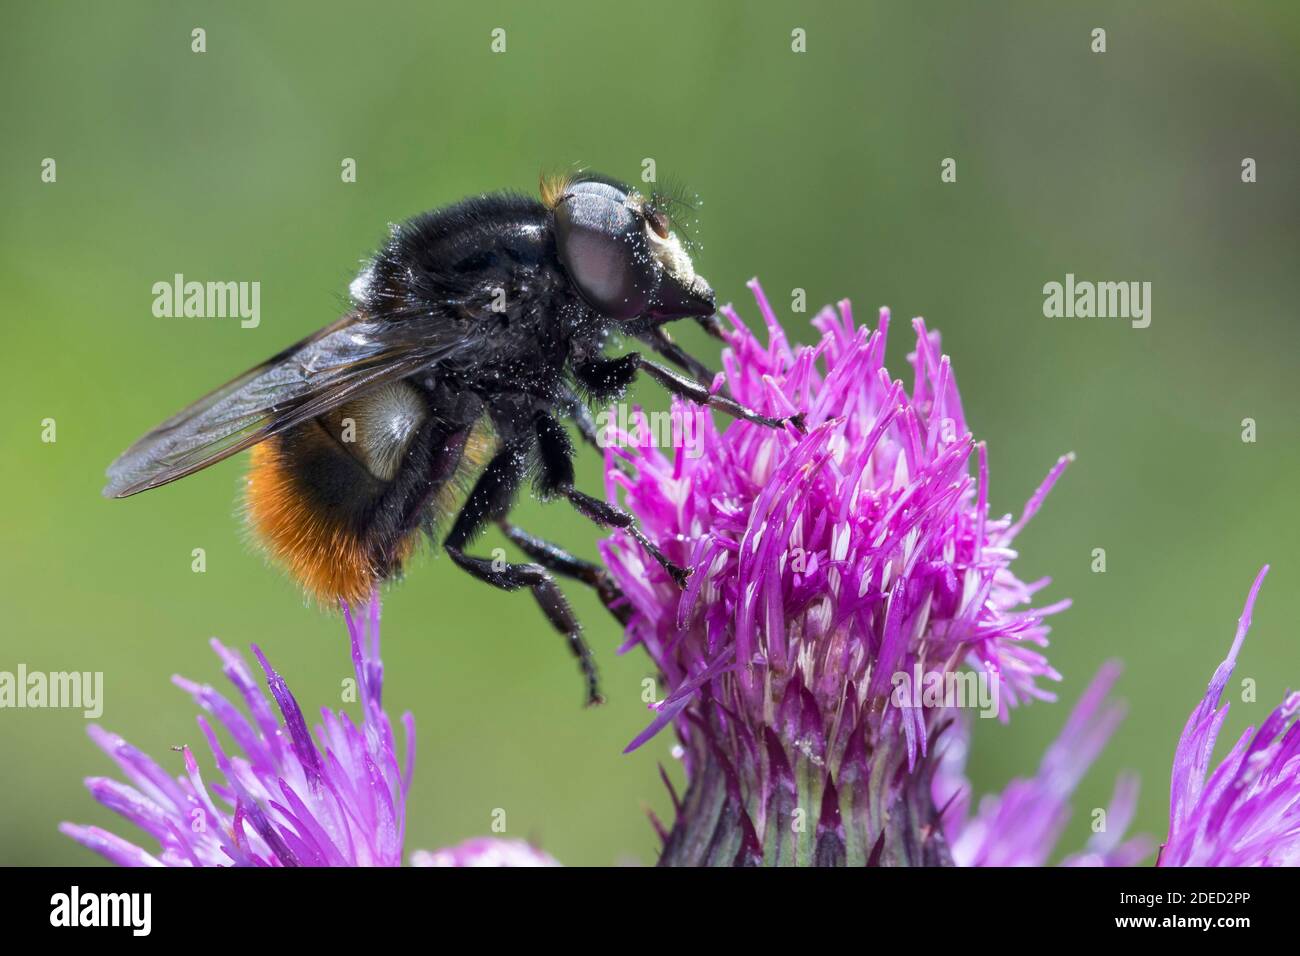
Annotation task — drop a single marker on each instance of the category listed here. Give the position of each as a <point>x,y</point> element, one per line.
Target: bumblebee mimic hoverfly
<point>474,331</point>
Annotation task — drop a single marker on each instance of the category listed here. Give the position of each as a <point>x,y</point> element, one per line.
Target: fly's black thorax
<point>487,269</point>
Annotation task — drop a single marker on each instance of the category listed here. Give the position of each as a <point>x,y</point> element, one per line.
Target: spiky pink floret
<point>281,798</point>
<point>1247,812</point>
<point>1022,825</point>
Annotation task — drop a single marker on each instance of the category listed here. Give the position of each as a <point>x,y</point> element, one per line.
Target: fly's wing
<point>304,381</point>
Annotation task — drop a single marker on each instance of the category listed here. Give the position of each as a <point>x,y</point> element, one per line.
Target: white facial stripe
<point>669,253</point>
<point>671,256</point>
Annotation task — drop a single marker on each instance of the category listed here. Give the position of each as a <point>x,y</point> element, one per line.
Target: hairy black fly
<point>476,330</point>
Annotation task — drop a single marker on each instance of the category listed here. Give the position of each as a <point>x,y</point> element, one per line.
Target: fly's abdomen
<point>339,500</point>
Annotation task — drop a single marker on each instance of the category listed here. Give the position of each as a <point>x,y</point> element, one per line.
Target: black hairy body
<point>476,330</point>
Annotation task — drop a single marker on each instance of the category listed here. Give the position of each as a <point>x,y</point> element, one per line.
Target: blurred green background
<point>818,171</point>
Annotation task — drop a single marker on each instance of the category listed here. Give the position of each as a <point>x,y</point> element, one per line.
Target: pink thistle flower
<point>1021,826</point>
<point>824,565</point>
<point>281,800</point>
<point>1247,813</point>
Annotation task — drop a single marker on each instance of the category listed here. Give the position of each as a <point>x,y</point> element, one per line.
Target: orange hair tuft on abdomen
<point>328,559</point>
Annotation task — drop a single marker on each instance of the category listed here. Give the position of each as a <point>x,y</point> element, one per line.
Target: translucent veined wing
<point>306,380</point>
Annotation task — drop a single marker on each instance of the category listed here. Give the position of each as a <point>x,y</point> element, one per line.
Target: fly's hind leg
<point>557,559</point>
<point>490,500</point>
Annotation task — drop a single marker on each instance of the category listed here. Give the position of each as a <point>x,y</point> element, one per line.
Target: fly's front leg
<point>699,393</point>
<point>712,325</point>
<point>603,380</point>
<point>577,412</point>
<point>606,379</point>
<point>659,340</point>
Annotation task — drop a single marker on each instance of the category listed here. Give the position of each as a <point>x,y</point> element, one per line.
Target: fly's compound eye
<point>602,244</point>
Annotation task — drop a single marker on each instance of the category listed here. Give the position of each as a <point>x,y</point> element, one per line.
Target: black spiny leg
<point>580,415</point>
<point>608,516</point>
<point>697,392</point>
<point>616,374</point>
<point>491,499</point>
<point>607,378</point>
<point>556,478</point>
<point>659,340</point>
<point>556,559</point>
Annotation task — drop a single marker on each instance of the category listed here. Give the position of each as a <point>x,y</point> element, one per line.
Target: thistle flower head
<point>824,564</point>
<point>1247,812</point>
<point>281,799</point>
